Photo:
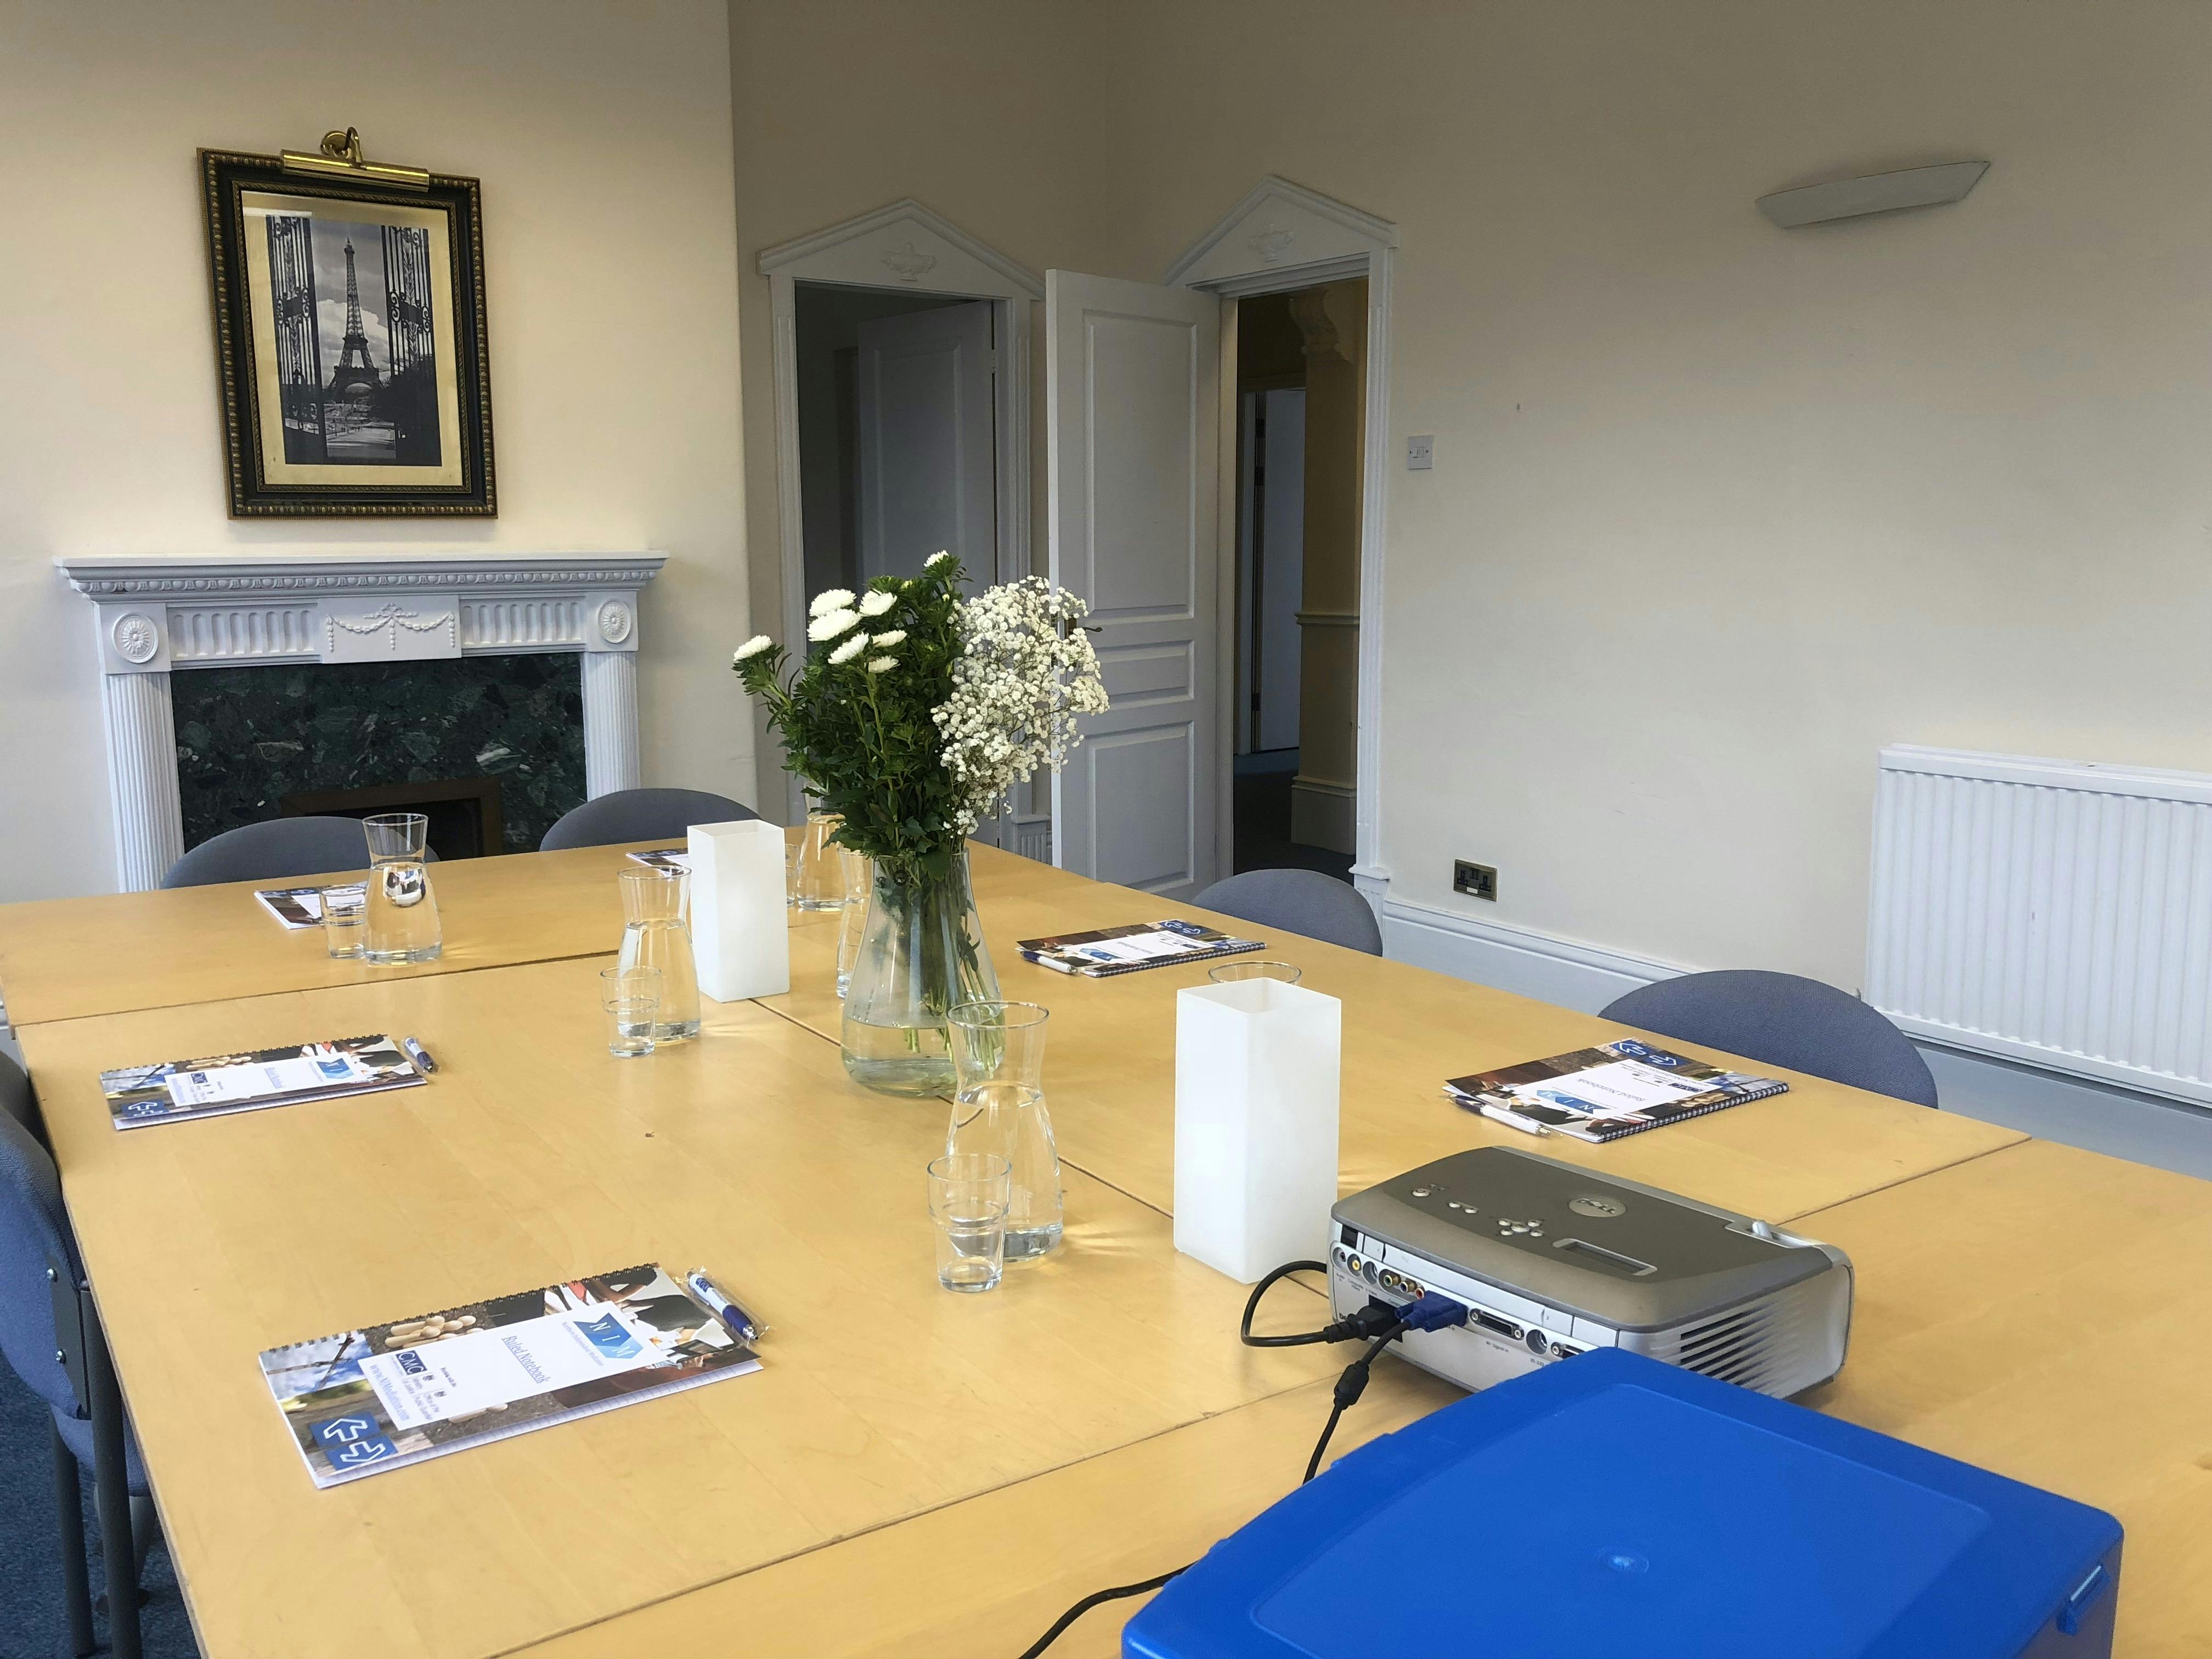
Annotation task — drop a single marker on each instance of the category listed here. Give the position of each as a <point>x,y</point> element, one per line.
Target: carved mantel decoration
<point>165,613</point>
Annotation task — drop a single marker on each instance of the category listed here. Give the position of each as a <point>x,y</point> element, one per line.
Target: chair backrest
<point>1298,902</point>
<point>639,815</point>
<point>33,1233</point>
<point>1784,1020</point>
<point>277,849</point>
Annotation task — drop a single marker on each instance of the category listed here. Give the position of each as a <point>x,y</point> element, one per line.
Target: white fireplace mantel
<point>163,613</point>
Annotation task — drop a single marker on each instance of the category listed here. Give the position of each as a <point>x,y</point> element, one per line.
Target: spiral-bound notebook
<point>388,1394</point>
<point>1131,948</point>
<point>1617,1088</point>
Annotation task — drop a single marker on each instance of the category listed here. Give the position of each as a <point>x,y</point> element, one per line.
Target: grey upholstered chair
<point>52,1340</point>
<point>1298,902</point>
<point>1784,1020</point>
<point>641,815</point>
<point>277,849</point>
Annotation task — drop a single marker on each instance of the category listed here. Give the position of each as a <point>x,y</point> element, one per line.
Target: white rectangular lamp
<point>740,933</point>
<point>1257,1063</point>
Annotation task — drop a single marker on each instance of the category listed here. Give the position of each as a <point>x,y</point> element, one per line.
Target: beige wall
<point>1717,510</point>
<point>601,134</point>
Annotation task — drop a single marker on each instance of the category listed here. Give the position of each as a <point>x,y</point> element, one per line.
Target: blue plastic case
<point>1615,1505</point>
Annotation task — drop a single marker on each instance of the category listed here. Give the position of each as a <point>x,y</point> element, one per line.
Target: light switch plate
<point>1421,452</point>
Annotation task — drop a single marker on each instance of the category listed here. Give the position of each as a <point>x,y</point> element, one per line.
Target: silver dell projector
<point>1552,1261</point>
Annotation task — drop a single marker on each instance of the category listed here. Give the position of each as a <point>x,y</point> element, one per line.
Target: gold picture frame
<point>351,342</point>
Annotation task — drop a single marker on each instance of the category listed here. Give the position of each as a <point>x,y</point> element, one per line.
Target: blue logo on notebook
<point>607,1335</point>
<point>350,1442</point>
<point>336,1070</point>
<point>1629,1048</point>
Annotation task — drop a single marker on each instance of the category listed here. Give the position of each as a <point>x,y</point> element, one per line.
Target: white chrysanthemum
<point>835,599</point>
<point>885,642</point>
<point>850,649</point>
<point>881,665</point>
<point>936,558</point>
<point>751,647</point>
<point>830,623</point>
<point>876,601</point>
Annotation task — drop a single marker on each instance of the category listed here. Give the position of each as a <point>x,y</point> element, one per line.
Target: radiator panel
<point>2054,911</point>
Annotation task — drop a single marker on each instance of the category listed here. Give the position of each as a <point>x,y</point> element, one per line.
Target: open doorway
<point>1300,396</point>
<point>897,434</point>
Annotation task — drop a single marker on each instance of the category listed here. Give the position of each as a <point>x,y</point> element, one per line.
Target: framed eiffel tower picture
<point>350,343</point>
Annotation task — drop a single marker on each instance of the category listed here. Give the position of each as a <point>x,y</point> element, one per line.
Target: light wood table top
<point>531,1158</point>
<point>69,958</point>
<point>985,1578</point>
<point>2042,1312</point>
<point>1109,1067</point>
<point>2047,1313</point>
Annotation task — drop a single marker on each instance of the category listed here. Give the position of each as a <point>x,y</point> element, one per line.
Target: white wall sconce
<point>1873,192</point>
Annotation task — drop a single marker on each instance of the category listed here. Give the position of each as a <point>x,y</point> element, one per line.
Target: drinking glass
<point>345,916</point>
<point>631,998</point>
<point>819,884</point>
<point>402,912</point>
<point>853,925</point>
<point>999,1110</point>
<point>654,936</point>
<point>1228,973</point>
<point>967,1194</point>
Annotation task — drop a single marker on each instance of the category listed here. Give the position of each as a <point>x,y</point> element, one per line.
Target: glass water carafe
<point>654,936</point>
<point>819,882</point>
<point>998,1108</point>
<point>402,912</point>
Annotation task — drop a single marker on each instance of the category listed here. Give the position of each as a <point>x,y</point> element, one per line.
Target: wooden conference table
<point>914,1473</point>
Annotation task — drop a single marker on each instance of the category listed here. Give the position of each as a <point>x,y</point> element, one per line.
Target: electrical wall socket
<point>1421,452</point>
<point>1475,880</point>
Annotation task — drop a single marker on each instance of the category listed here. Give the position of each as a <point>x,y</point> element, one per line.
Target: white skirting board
<point>2119,1122</point>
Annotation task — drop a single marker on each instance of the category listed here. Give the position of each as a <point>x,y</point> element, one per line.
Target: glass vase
<point>654,936</point>
<point>997,1110</point>
<point>922,955</point>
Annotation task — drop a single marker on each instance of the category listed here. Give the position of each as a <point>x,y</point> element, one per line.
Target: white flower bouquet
<point>910,715</point>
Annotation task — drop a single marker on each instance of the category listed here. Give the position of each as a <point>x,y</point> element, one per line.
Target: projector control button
<point>1424,1191</point>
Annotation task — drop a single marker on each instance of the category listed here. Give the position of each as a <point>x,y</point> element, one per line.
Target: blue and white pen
<point>419,1054</point>
<point>742,1325</point>
<point>1512,1118</point>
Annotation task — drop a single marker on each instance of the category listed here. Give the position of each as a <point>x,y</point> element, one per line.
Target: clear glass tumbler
<point>853,925</point>
<point>1228,973</point>
<point>819,884</point>
<point>631,998</point>
<point>997,1110</point>
<point>345,917</point>
<point>654,936</point>
<point>968,1202</point>
<point>402,912</point>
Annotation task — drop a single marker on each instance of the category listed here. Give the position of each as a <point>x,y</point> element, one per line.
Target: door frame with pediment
<point>904,246</point>
<point>1280,237</point>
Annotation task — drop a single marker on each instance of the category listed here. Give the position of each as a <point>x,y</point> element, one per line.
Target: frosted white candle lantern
<point>1255,1132</point>
<point>741,933</point>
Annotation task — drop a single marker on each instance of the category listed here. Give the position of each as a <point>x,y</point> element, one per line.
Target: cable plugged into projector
<point>1431,1312</point>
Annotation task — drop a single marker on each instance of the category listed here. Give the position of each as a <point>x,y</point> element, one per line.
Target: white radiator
<point>2053,911</point>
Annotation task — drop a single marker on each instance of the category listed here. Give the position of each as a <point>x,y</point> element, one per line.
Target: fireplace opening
<point>465,818</point>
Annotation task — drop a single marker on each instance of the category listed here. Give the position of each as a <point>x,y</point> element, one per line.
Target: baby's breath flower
<point>875,602</point>
<point>885,641</point>
<point>850,649</point>
<point>881,665</point>
<point>830,623</point>
<point>751,647</point>
<point>831,598</point>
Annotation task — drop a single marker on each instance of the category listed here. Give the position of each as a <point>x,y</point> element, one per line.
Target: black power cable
<point>1376,1325</point>
<point>1090,1601</point>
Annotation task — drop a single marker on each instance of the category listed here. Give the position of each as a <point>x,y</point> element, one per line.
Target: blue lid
<point>1613,1504</point>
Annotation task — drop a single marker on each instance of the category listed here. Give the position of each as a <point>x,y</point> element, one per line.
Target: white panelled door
<point>927,441</point>
<point>1133,439</point>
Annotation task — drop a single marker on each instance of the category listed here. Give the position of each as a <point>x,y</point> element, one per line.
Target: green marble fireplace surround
<point>248,737</point>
